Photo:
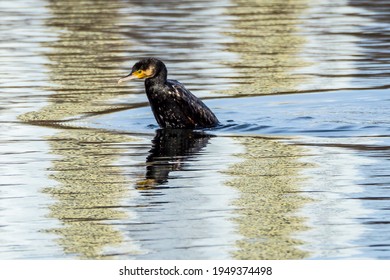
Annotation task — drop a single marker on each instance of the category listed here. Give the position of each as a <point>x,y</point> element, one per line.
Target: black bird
<point>172,104</point>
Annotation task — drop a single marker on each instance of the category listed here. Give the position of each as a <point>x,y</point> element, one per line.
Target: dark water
<point>299,168</point>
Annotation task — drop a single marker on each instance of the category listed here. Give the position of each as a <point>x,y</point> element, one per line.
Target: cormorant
<point>172,104</point>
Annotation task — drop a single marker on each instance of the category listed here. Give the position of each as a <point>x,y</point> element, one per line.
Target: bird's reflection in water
<point>171,148</point>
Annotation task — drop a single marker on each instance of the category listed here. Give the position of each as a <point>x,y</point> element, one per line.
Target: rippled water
<point>297,170</point>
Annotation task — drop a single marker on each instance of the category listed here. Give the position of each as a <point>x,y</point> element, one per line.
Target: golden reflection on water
<point>268,44</point>
<point>83,60</point>
<point>83,71</point>
<point>269,181</point>
<point>91,191</point>
<point>267,41</point>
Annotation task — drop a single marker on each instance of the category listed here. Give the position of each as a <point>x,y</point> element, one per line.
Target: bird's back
<point>176,107</point>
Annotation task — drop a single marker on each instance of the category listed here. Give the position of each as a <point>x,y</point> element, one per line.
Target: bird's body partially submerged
<point>172,104</point>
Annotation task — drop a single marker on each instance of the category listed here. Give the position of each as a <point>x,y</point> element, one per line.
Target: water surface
<point>297,170</point>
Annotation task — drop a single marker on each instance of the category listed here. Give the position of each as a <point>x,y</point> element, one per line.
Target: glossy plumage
<point>172,104</point>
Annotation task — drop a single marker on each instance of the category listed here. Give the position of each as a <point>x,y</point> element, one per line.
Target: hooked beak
<point>129,77</point>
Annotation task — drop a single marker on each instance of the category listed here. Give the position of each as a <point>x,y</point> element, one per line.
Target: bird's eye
<point>139,71</point>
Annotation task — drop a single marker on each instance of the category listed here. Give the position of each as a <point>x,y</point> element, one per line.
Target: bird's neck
<point>160,77</point>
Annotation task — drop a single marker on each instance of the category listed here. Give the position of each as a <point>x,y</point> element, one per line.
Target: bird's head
<point>144,69</point>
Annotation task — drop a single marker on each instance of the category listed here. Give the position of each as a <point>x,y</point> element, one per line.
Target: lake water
<point>299,168</point>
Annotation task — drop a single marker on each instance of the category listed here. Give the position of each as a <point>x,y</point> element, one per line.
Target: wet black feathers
<point>172,104</point>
